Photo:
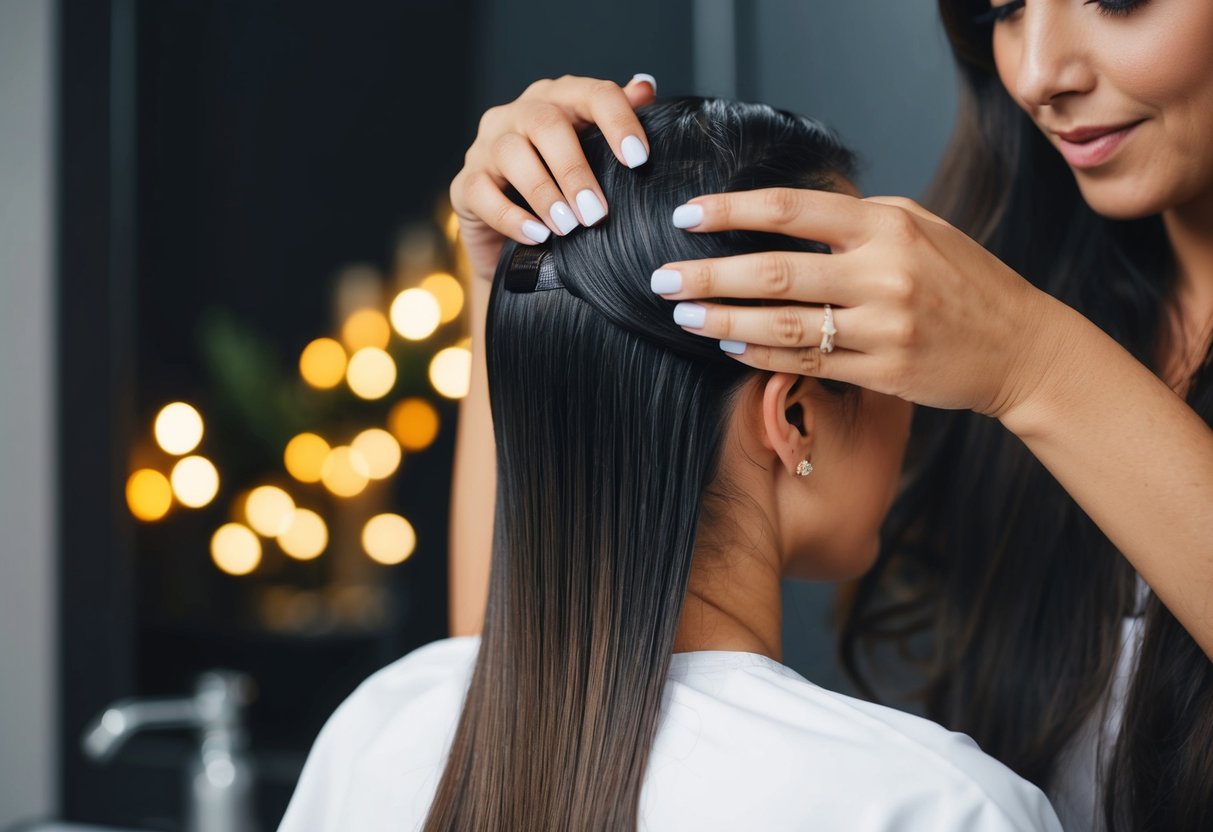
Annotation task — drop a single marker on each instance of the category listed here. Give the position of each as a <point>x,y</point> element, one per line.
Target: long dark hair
<point>1017,596</point>
<point>608,421</point>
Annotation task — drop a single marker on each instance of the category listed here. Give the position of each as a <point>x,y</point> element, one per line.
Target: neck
<point>1190,231</point>
<point>733,603</point>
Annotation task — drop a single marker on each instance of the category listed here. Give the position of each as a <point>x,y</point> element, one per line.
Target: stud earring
<point>804,468</point>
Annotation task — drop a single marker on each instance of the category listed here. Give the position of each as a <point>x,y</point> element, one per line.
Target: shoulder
<point>410,705</point>
<point>738,725</point>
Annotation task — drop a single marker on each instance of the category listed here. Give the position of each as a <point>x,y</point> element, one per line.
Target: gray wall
<point>27,678</point>
<point>878,72</point>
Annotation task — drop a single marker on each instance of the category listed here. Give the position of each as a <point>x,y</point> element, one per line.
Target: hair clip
<point>532,269</point>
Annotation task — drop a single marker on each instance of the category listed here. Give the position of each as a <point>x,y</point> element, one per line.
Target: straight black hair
<point>608,421</point>
<point>988,561</point>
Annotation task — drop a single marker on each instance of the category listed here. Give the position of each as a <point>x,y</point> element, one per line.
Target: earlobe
<point>787,416</point>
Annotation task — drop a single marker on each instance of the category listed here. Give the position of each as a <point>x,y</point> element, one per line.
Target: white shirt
<point>1075,790</point>
<point>743,743</point>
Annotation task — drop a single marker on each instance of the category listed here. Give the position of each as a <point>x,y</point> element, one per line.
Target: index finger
<point>611,108</point>
<point>839,220</point>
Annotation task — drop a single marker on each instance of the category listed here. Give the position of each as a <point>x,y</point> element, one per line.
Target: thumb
<point>641,89</point>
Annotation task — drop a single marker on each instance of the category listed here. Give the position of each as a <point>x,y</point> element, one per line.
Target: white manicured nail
<point>666,281</point>
<point>633,152</point>
<point>733,347</point>
<point>536,231</point>
<point>590,207</point>
<point>563,217</point>
<point>688,216</point>
<point>690,314</point>
<point>648,79</point>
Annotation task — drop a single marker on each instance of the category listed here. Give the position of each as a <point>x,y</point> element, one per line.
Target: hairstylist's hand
<point>531,143</point>
<point>922,311</point>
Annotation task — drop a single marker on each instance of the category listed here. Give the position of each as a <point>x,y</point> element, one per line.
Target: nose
<point>1053,62</point>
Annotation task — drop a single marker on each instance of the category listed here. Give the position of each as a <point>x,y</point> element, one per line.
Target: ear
<point>787,418</point>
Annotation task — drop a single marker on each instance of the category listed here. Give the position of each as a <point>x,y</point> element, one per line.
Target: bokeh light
<point>451,226</point>
<point>148,494</point>
<point>345,472</point>
<point>380,450</point>
<point>269,510</point>
<point>306,536</point>
<point>372,373</point>
<point>178,428</point>
<point>414,423</point>
<point>195,481</point>
<point>451,372</point>
<point>388,539</point>
<point>235,549</point>
<point>304,457</point>
<point>415,314</point>
<point>322,363</point>
<point>366,328</point>
<point>447,290</point>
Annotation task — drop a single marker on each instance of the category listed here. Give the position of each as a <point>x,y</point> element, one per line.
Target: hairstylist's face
<point>1123,89</point>
<point>832,518</point>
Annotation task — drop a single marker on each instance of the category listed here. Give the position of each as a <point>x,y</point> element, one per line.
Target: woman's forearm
<point>474,487</point>
<point>1134,456</point>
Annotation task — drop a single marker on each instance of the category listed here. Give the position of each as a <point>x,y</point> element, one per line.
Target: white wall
<point>27,378</point>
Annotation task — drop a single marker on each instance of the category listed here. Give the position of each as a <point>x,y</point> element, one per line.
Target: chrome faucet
<point>219,784</point>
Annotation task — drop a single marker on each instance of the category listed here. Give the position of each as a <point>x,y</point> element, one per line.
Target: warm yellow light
<point>178,428</point>
<point>306,536</point>
<point>345,472</point>
<point>235,549</point>
<point>322,363</point>
<point>414,423</point>
<point>380,450</point>
<point>452,226</point>
<point>448,292</point>
<point>451,372</point>
<point>415,314</point>
<point>269,510</point>
<point>304,457</point>
<point>366,328</point>
<point>195,481</point>
<point>148,495</point>
<point>372,373</point>
<point>388,538</point>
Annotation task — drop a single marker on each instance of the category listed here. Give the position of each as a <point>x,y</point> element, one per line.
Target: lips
<point>1088,147</point>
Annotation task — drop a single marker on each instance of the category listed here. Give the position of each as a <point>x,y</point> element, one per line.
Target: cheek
<point>1164,60</point>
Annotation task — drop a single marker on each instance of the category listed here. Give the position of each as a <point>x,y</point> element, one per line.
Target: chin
<point>1124,197</point>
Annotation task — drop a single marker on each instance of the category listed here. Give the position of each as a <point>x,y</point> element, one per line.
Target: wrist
<point>1056,349</point>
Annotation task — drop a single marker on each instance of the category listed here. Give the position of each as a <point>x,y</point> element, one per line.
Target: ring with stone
<point>828,330</point>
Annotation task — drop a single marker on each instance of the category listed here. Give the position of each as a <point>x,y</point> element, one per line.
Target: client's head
<point>628,451</point>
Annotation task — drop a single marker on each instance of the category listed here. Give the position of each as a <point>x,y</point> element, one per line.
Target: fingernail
<point>590,207</point>
<point>733,347</point>
<point>633,151</point>
<point>690,314</point>
<point>564,217</point>
<point>666,281</point>
<point>536,231</point>
<point>688,216</point>
<point>648,79</point>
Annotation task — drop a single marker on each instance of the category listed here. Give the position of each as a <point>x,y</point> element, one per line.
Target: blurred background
<point>232,348</point>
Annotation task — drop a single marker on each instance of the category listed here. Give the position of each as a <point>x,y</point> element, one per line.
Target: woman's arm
<point>1135,457</point>
<point>475,485</point>
<point>927,314</point>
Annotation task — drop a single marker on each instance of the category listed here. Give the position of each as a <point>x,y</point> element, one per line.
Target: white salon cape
<point>744,743</point>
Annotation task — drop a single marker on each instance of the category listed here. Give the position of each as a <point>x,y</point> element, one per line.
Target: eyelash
<point>1108,8</point>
